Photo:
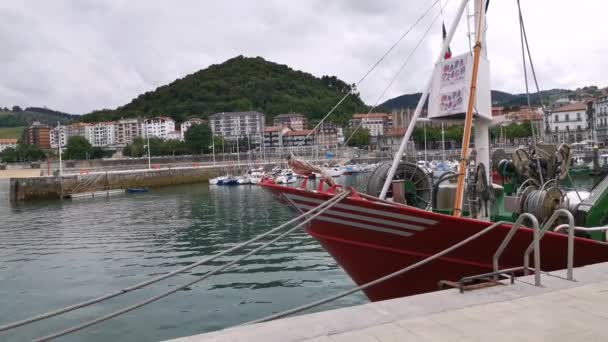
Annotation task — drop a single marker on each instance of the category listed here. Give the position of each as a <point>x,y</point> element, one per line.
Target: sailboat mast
<point>468,124</point>
<point>425,95</point>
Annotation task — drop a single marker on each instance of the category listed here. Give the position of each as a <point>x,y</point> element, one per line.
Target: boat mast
<point>425,95</point>
<point>468,124</point>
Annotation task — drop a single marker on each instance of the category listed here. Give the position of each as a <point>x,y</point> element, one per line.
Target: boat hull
<point>370,239</point>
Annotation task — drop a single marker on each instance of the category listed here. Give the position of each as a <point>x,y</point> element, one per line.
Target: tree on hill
<point>17,109</point>
<point>242,84</point>
<point>198,138</point>
<point>158,147</point>
<point>360,138</point>
<point>79,148</point>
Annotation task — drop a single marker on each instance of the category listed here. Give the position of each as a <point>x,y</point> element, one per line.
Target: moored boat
<point>405,217</point>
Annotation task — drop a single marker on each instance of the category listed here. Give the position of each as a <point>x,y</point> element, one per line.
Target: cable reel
<point>417,183</point>
<point>542,203</point>
<point>478,190</point>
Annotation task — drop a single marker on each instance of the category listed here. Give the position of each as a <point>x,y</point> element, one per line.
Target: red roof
<point>370,116</point>
<point>575,107</point>
<point>272,129</point>
<point>8,141</point>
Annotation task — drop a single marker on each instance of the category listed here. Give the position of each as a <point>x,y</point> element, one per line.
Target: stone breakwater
<point>36,188</point>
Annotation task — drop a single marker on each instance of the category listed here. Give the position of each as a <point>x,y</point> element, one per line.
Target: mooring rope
<point>380,280</point>
<point>321,208</point>
<point>330,204</point>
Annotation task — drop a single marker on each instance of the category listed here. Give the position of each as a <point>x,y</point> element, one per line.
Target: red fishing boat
<point>371,237</point>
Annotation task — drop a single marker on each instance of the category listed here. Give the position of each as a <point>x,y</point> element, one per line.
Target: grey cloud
<point>80,55</point>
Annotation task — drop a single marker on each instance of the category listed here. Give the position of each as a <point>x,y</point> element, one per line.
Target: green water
<point>54,254</point>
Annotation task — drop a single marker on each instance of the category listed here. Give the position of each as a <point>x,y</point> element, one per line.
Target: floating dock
<point>560,310</point>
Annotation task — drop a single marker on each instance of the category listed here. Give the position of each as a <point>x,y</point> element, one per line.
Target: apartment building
<point>273,136</point>
<point>303,137</point>
<point>376,123</point>
<point>126,130</point>
<point>102,134</point>
<point>295,121</point>
<point>569,123</point>
<point>327,135</point>
<point>7,143</point>
<point>234,125</point>
<point>38,134</point>
<point>601,119</point>
<point>159,127</point>
<point>64,133</point>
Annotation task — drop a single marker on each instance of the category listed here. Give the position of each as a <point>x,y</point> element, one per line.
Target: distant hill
<point>24,117</point>
<point>241,84</point>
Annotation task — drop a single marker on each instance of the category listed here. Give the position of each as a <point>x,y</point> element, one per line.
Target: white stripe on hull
<point>364,210</point>
<point>350,224</point>
<point>367,219</point>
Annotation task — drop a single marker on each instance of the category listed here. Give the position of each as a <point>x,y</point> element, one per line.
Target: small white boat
<point>244,180</point>
<point>335,171</point>
<point>256,177</point>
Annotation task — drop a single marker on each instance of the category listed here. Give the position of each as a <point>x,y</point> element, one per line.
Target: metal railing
<point>405,270</point>
<point>543,230</point>
<point>312,214</point>
<point>571,228</point>
<point>536,243</point>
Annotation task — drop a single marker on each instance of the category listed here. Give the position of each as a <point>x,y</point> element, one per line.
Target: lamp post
<point>148,145</point>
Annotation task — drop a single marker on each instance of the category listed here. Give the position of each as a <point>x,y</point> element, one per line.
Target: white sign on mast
<point>451,85</point>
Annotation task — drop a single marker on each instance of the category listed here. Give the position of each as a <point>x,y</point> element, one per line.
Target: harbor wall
<point>37,188</point>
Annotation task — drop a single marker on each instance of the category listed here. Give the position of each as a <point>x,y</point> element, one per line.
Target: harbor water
<point>58,253</point>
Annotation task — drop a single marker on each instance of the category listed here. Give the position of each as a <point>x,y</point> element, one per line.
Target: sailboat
<point>371,237</point>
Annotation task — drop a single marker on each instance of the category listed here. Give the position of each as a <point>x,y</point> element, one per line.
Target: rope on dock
<point>382,279</point>
<point>318,209</point>
<point>330,203</point>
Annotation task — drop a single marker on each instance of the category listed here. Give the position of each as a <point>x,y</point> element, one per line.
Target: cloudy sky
<point>80,55</point>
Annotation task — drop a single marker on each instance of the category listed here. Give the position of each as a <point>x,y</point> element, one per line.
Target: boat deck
<point>561,310</point>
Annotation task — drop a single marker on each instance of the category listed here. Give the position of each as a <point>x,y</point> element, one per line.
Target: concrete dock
<point>560,310</point>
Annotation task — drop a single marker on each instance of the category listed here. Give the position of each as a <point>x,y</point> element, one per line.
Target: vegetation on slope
<point>242,84</point>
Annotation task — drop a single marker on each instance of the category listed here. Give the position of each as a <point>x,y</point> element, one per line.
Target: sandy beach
<point>19,173</point>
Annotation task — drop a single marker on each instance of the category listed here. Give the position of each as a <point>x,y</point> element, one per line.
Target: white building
<point>126,130</point>
<point>233,125</point>
<point>376,123</point>
<point>569,124</point>
<point>175,135</point>
<point>6,143</point>
<point>188,123</point>
<point>102,134</point>
<point>159,127</point>
<point>64,133</point>
<point>59,134</point>
<point>601,119</point>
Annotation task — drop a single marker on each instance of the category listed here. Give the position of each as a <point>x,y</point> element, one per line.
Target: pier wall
<point>36,188</point>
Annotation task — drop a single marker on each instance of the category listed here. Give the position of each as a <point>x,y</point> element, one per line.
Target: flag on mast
<point>448,52</point>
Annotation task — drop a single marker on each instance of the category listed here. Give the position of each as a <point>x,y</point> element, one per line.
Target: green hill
<point>241,84</point>
<point>24,117</point>
<point>11,132</point>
